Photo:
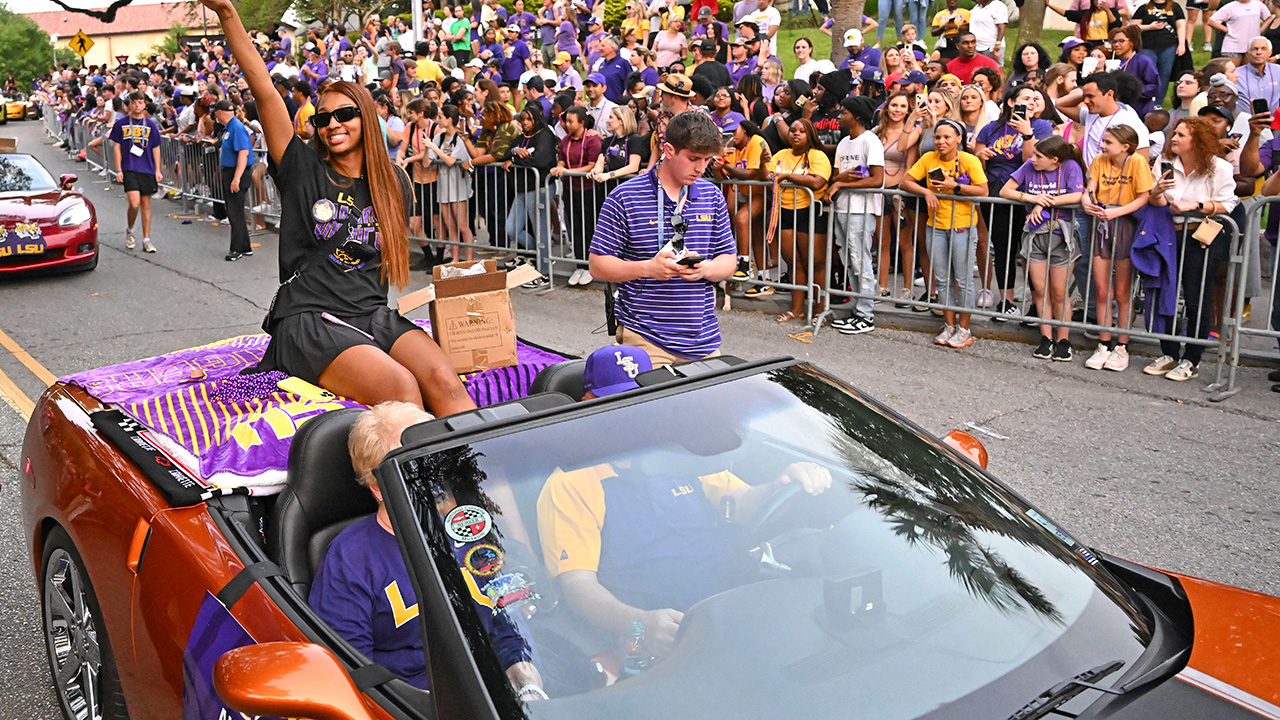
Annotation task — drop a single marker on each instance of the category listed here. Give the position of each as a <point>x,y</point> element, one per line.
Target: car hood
<point>25,207</point>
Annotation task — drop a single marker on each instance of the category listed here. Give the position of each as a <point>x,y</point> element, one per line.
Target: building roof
<point>129,19</point>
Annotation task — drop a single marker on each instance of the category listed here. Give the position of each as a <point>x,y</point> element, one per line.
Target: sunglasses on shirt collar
<point>343,114</point>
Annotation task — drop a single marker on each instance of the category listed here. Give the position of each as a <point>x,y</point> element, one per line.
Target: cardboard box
<point>471,317</point>
<point>8,145</point>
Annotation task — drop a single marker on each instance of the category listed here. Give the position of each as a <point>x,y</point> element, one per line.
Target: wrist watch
<point>1029,136</point>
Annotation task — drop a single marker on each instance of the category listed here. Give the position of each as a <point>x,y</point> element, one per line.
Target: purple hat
<point>1071,42</point>
<point>596,78</point>
<point>915,76</point>
<point>731,122</point>
<point>611,370</point>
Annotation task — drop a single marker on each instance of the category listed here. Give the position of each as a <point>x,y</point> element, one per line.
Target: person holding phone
<point>803,224</point>
<point>1200,182</point>
<point>647,225</point>
<point>953,235</point>
<point>1259,79</point>
<point>343,240</point>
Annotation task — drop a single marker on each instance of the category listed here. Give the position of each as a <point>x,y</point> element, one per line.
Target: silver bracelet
<point>531,689</point>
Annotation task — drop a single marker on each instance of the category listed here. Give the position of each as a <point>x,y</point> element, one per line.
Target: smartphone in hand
<point>690,260</point>
<point>1259,105</point>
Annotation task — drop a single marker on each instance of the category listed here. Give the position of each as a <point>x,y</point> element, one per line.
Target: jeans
<point>524,206</point>
<point>856,232</point>
<point>821,5</point>
<point>918,12</point>
<point>1199,267</point>
<point>1083,270</point>
<point>888,8</point>
<point>1164,66</point>
<point>952,253</point>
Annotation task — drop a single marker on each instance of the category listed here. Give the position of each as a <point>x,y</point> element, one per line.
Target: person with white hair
<point>1259,78</point>
<point>362,587</point>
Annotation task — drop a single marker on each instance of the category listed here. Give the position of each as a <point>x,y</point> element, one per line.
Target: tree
<point>262,15</point>
<point>339,12</point>
<point>615,11</point>
<point>845,14</point>
<point>25,49</point>
<point>1031,22</point>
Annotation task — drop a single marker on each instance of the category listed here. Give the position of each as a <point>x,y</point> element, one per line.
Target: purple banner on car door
<point>214,634</point>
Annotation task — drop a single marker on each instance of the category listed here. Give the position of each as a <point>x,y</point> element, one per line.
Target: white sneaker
<point>1099,358</point>
<point>945,336</point>
<point>129,242</point>
<point>1182,372</point>
<point>962,338</point>
<point>1160,366</point>
<point>586,278</point>
<point>147,246</point>
<point>576,277</point>
<point>918,282</point>
<point>985,298</point>
<point>1207,47</point>
<point>1119,359</point>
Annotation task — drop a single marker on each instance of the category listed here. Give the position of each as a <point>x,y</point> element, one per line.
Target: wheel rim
<point>71,635</point>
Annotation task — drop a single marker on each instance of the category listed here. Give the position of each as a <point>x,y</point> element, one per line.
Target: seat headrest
<point>564,377</point>
<point>321,491</point>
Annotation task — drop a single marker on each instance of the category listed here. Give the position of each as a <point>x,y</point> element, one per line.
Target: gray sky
<point>30,6</point>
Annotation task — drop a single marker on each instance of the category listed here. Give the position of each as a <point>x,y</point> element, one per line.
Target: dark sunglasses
<point>681,226</point>
<point>343,114</point>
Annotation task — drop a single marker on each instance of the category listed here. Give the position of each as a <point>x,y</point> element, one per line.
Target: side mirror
<point>288,679</point>
<point>968,445</point>
<point>67,180</point>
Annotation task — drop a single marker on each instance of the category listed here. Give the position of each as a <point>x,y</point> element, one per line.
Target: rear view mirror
<point>67,180</point>
<point>967,445</point>
<point>288,679</point>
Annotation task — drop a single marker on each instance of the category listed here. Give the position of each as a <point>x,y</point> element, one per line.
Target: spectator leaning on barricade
<point>651,223</point>
<point>859,167</point>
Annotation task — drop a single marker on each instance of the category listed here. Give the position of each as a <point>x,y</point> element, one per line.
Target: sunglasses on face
<point>343,114</point>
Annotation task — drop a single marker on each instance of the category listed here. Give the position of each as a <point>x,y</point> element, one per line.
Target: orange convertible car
<point>747,540</point>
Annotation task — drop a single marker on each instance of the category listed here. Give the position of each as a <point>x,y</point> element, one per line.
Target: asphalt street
<point>1138,466</point>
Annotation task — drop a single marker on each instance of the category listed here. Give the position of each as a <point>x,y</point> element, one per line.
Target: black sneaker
<point>247,253</point>
<point>744,271</point>
<point>1062,351</point>
<point>232,257</point>
<point>934,299</point>
<point>1044,350</point>
<point>857,325</point>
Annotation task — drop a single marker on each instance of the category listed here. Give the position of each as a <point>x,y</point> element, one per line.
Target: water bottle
<point>635,660</point>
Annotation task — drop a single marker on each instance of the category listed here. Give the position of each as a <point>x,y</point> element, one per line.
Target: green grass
<point>788,34</point>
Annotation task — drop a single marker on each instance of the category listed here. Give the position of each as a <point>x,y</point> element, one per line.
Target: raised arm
<point>276,125</point>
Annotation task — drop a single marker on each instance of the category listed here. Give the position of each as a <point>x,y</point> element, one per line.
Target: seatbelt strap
<point>231,593</point>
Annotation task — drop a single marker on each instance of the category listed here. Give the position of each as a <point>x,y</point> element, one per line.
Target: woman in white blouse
<point>1201,182</point>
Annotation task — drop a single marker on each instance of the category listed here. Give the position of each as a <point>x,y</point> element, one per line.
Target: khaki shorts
<point>659,356</point>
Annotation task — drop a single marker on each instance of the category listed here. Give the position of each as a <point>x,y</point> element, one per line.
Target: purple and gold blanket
<point>198,399</point>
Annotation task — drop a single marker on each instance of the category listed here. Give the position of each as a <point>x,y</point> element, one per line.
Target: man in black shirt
<point>707,66</point>
<point>284,87</point>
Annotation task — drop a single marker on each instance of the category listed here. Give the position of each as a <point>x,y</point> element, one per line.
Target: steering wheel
<point>770,507</point>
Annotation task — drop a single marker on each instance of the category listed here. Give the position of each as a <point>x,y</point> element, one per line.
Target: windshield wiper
<point>1050,700</point>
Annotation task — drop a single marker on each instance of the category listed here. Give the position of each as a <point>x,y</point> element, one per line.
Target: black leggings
<point>1199,264</point>
<point>1004,230</point>
<point>580,210</point>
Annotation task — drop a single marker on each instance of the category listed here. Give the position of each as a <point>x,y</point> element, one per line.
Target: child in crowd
<point>952,235</point>
<point>1119,184</point>
<point>1051,179</point>
<point>1156,121</point>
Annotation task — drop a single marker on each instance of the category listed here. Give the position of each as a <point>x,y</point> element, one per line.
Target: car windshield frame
<point>434,570</point>
<point>27,163</point>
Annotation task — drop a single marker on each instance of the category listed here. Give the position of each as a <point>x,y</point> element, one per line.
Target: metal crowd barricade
<point>1268,326</point>
<point>52,121</point>
<point>902,274</point>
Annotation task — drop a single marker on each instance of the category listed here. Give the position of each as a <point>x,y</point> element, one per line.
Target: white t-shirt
<point>765,19</point>
<point>1096,125</point>
<point>805,69</point>
<point>863,152</point>
<point>983,22</point>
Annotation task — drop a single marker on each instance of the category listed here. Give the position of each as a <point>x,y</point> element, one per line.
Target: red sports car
<point>44,224</point>
<point>654,554</point>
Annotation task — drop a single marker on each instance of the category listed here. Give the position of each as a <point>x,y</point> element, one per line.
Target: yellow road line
<point>15,398</point>
<point>25,358</point>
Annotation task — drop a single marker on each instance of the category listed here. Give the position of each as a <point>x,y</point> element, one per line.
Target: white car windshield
<point>772,546</point>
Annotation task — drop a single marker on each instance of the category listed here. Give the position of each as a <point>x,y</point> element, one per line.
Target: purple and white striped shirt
<point>676,315</point>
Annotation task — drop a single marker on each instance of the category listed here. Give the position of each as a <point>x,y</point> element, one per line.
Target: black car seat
<point>564,377</point>
<point>320,499</point>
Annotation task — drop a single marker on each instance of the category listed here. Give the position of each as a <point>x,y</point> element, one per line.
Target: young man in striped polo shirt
<point>666,296</point>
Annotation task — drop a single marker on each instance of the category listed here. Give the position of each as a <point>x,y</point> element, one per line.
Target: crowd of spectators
<point>490,108</point>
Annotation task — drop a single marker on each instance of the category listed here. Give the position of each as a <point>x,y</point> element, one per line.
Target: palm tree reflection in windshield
<point>930,500</point>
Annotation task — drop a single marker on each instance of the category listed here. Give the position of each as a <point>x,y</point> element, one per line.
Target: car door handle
<point>138,546</point>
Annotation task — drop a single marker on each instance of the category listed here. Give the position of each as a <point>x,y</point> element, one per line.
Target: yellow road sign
<point>81,44</point>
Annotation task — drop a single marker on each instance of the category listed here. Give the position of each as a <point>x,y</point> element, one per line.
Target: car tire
<point>74,633</point>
